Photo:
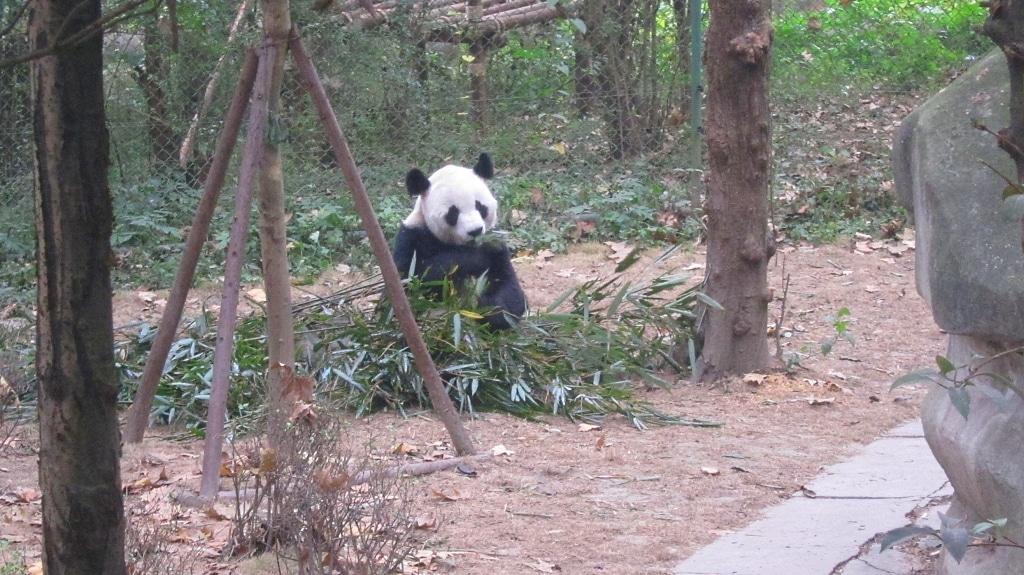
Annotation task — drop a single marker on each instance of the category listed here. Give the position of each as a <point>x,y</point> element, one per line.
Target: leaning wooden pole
<point>138,413</point>
<point>225,346</point>
<point>392,282</point>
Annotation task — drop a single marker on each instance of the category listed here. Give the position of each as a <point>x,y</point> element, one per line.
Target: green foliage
<point>910,44</point>
<point>11,560</point>
<point>955,538</point>
<point>184,390</point>
<point>841,326</point>
<point>956,379</point>
<point>395,118</point>
<point>581,358</point>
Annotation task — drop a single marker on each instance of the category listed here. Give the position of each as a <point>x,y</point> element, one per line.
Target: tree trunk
<point>611,35</point>
<point>150,74</point>
<point>587,90</point>
<point>79,468</point>
<point>739,154</point>
<point>273,224</point>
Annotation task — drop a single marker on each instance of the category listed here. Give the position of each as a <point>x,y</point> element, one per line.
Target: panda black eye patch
<point>482,209</point>
<point>452,217</point>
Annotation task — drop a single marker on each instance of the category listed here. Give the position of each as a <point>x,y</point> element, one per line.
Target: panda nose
<point>475,232</point>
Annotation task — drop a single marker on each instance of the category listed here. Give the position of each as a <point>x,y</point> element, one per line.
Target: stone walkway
<point>833,531</point>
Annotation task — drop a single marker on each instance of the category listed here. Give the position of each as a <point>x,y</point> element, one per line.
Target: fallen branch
<point>190,499</point>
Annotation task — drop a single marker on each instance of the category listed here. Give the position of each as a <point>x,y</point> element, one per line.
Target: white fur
<point>459,187</point>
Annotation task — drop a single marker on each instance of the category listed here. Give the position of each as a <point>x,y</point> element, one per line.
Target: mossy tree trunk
<point>79,455</point>
<point>739,154</point>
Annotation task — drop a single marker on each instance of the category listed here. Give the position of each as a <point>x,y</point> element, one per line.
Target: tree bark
<point>739,154</point>
<point>79,467</point>
<point>273,224</point>
<point>150,74</point>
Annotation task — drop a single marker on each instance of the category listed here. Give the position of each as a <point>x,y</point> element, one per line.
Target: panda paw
<point>494,245</point>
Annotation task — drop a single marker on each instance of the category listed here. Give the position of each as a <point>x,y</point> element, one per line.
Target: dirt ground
<point>558,497</point>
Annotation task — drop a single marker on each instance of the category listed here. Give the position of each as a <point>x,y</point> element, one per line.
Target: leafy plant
<point>956,379</point>
<point>841,326</point>
<point>876,43</point>
<point>11,560</point>
<point>955,538</point>
<point>582,357</point>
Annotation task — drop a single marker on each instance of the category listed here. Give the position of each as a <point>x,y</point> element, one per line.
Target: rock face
<point>970,269</point>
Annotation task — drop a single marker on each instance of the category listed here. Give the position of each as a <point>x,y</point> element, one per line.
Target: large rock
<point>970,269</point>
<point>982,456</point>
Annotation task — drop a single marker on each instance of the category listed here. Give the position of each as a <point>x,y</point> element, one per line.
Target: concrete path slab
<point>869,493</point>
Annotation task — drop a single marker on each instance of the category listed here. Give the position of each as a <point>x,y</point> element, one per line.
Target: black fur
<point>461,264</point>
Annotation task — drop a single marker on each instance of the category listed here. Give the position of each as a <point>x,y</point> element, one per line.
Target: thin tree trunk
<point>392,282</point>
<point>79,467</point>
<point>273,226</point>
<point>740,153</point>
<point>149,74</point>
<point>138,413</point>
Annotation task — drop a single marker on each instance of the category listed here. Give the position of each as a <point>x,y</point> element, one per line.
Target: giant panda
<point>446,236</point>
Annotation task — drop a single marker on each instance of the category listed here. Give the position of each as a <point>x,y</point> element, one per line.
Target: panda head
<point>455,203</point>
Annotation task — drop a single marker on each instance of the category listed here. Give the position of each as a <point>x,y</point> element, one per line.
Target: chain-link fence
<point>401,104</point>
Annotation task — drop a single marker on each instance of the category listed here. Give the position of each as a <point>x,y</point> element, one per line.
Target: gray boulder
<point>970,269</point>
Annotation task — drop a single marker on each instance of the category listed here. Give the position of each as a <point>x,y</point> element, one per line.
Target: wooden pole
<point>225,346</point>
<point>138,413</point>
<point>392,282</point>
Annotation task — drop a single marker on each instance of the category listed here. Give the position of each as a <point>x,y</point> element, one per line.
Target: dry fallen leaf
<point>426,522</point>
<point>754,378</point>
<point>584,427</point>
<point>257,295</point>
<point>710,471</point>
<point>544,567</point>
<point>501,450</point>
<point>449,495</point>
<point>404,448</point>
<point>620,250</point>
<point>214,514</point>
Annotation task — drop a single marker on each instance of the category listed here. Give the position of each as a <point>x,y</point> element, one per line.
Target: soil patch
<point>560,497</point>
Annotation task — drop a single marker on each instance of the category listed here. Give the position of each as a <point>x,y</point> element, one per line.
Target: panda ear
<point>484,168</point>
<point>416,182</point>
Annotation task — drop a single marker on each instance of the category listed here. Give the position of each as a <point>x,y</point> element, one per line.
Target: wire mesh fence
<point>401,104</point>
